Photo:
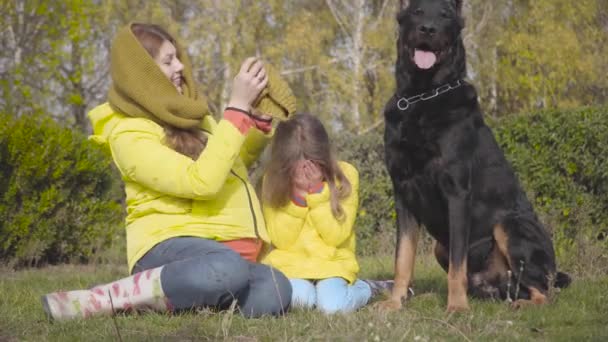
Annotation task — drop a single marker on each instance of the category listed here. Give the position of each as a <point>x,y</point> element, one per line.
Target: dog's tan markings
<point>502,241</point>
<point>457,287</point>
<point>536,298</point>
<point>404,270</point>
<point>497,266</point>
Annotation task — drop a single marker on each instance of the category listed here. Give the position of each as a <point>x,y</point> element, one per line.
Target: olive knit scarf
<point>140,89</point>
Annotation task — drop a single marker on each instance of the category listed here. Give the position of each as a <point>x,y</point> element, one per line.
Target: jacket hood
<point>103,119</point>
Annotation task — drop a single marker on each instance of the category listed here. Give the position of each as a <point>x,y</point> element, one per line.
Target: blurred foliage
<point>552,55</point>
<point>338,55</point>
<point>561,157</point>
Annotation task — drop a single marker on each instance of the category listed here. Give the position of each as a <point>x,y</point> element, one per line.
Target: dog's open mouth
<point>424,57</point>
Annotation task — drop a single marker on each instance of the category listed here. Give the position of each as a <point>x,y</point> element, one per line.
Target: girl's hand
<point>300,180</point>
<point>313,174</point>
<point>248,84</point>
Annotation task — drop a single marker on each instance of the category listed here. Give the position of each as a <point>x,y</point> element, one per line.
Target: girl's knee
<point>330,306</point>
<point>304,294</point>
<point>335,295</point>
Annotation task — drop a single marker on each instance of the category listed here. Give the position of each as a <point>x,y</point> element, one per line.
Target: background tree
<point>552,55</point>
<point>338,55</point>
<point>54,63</point>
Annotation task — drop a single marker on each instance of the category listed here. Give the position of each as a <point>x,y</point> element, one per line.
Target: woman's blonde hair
<point>189,142</point>
<point>302,137</point>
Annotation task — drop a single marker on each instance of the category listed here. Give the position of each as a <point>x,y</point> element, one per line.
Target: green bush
<point>375,225</point>
<point>57,199</point>
<point>561,158</point>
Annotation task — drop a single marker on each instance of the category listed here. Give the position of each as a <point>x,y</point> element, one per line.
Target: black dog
<point>450,175</point>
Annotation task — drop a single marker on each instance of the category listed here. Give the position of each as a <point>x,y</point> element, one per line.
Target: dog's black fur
<point>450,175</point>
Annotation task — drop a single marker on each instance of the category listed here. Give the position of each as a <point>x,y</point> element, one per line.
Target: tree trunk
<point>357,55</point>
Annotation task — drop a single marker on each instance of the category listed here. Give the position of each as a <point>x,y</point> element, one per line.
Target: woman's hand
<point>248,84</point>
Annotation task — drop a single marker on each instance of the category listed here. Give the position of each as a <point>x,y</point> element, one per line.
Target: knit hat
<point>140,89</point>
<point>276,99</point>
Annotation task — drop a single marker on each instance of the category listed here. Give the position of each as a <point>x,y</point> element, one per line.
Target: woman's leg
<point>187,272</point>
<point>304,293</point>
<point>176,274</point>
<point>259,289</point>
<point>336,295</point>
<point>197,272</point>
<point>269,292</point>
<point>140,291</point>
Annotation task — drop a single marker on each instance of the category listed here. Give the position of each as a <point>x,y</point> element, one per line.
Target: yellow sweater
<point>309,243</point>
<point>169,194</point>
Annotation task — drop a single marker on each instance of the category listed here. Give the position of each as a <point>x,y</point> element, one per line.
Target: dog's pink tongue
<point>424,59</point>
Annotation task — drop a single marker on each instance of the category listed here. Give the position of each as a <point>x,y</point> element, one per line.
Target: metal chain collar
<point>404,103</point>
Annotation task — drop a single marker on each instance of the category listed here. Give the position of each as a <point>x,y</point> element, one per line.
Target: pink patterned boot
<point>141,291</point>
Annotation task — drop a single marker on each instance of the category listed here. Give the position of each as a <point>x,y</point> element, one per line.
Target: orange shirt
<point>248,248</point>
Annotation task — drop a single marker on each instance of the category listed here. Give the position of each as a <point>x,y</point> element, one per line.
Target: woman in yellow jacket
<point>310,202</point>
<point>194,224</point>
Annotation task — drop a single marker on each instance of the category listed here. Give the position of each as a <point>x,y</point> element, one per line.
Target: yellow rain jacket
<point>309,242</point>
<point>169,194</point>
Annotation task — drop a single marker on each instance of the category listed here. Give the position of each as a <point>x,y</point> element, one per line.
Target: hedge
<point>57,194</point>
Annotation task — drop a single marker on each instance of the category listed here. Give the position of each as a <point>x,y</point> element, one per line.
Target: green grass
<point>577,313</point>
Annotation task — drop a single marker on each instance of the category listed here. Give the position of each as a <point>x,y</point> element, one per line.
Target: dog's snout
<point>427,29</point>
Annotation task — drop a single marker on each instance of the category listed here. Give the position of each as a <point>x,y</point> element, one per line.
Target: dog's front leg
<point>405,254</point>
<point>455,184</point>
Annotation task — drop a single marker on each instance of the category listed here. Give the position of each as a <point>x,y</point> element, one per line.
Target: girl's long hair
<point>189,142</point>
<point>302,137</point>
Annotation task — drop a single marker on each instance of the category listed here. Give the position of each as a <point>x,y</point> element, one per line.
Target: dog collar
<point>404,103</point>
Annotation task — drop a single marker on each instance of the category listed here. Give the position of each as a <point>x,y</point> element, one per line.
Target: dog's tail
<point>562,280</point>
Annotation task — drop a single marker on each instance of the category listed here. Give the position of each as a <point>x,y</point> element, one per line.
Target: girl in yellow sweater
<point>310,201</point>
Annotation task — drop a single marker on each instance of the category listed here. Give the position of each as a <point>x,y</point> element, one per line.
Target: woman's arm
<point>140,155</point>
<point>254,145</point>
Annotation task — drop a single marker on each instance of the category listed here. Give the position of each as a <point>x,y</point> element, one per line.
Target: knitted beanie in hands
<point>276,99</point>
<point>140,89</point>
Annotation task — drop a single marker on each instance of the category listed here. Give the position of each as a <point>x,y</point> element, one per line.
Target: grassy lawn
<point>577,313</point>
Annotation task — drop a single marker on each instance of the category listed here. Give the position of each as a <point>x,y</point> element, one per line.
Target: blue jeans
<point>204,273</point>
<point>331,295</point>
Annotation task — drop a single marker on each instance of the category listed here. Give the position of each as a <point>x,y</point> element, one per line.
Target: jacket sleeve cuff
<point>316,198</point>
<point>296,210</point>
<point>264,126</point>
<point>239,119</point>
<point>298,200</point>
<point>317,188</point>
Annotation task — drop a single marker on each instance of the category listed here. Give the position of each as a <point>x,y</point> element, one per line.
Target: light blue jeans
<point>331,295</point>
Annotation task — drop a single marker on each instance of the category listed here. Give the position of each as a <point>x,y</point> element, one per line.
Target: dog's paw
<point>521,303</point>
<point>458,308</point>
<point>458,305</point>
<point>388,305</point>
